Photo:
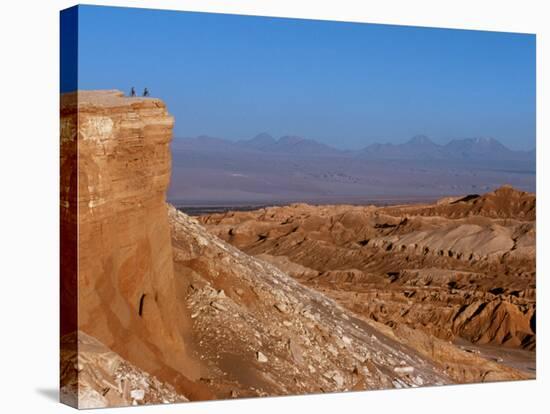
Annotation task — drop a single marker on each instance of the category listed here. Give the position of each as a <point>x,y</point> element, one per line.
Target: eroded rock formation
<point>115,184</point>
<point>262,333</point>
<point>462,268</point>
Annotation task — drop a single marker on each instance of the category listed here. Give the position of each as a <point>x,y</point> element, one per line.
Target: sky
<point>345,84</point>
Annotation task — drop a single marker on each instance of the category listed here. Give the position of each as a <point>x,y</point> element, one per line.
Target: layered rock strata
<point>461,268</point>
<point>113,186</point>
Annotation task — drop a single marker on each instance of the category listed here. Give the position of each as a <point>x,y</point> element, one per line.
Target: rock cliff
<point>115,171</point>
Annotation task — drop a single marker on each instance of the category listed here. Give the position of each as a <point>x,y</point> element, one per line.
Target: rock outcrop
<point>115,172</point>
<point>504,202</point>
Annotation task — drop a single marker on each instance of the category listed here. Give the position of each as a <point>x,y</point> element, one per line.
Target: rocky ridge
<point>505,202</point>
<point>461,269</point>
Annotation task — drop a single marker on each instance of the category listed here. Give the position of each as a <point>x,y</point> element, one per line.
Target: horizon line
<point>389,143</point>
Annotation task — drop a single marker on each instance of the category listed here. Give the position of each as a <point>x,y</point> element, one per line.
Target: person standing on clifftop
<point>133,92</point>
<point>146,92</point>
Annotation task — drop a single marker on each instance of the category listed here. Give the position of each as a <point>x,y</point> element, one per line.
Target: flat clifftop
<point>109,98</point>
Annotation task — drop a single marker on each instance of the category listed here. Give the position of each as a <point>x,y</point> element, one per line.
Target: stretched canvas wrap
<point>255,206</point>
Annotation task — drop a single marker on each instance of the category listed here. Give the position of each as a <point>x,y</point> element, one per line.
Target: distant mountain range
<point>287,143</point>
<point>267,170</point>
<point>419,148</point>
<point>422,148</point>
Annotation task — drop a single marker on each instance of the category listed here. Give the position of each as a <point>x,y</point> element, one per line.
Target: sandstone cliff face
<point>117,179</point>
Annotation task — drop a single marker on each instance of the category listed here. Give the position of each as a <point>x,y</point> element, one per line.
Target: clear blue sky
<point>345,84</point>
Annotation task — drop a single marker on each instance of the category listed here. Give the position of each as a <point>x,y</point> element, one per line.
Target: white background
<point>29,265</point>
